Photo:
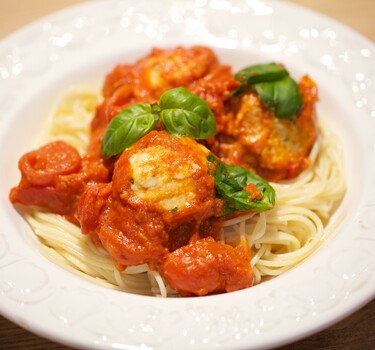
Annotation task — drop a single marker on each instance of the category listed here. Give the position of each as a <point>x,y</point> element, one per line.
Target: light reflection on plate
<point>78,46</point>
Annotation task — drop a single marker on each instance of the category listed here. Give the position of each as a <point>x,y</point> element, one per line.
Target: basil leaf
<point>230,181</point>
<point>281,96</point>
<point>127,127</point>
<point>185,114</point>
<point>276,89</point>
<point>261,73</point>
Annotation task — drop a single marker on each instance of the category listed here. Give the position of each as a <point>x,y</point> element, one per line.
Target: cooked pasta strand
<point>280,238</point>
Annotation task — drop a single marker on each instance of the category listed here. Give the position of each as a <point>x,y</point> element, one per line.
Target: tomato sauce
<point>54,177</point>
<point>223,268</point>
<point>155,203</point>
<point>137,226</point>
<point>196,68</point>
<point>253,137</point>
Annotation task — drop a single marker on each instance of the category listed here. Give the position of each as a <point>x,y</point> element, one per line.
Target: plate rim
<point>370,295</point>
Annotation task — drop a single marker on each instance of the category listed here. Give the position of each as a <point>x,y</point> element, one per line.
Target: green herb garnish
<point>276,89</point>
<point>260,73</point>
<point>185,114</point>
<point>181,112</point>
<point>230,183</point>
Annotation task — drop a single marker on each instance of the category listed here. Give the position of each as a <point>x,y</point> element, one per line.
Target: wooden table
<point>355,332</point>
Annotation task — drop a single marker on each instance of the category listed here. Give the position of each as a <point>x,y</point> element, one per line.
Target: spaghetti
<point>279,239</point>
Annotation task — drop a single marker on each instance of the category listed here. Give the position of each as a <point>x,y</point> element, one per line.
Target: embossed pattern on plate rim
<point>337,280</point>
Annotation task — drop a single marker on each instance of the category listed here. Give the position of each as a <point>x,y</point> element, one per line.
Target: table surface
<point>355,332</point>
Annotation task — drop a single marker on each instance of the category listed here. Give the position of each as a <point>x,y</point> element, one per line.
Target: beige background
<point>358,14</point>
<point>355,332</point>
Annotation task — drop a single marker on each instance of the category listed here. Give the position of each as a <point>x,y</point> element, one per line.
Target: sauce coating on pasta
<point>161,212</point>
<point>156,203</point>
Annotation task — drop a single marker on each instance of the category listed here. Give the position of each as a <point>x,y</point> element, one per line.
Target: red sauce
<point>196,68</point>
<point>54,177</point>
<point>126,213</point>
<point>137,229</point>
<point>276,149</point>
<point>222,268</point>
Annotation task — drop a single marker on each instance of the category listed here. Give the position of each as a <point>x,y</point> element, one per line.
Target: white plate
<point>78,46</point>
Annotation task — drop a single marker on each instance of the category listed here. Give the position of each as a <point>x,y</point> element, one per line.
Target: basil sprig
<point>181,113</point>
<point>276,89</point>
<point>185,114</point>
<point>230,181</point>
<point>127,127</point>
<point>282,96</point>
<point>260,73</point>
